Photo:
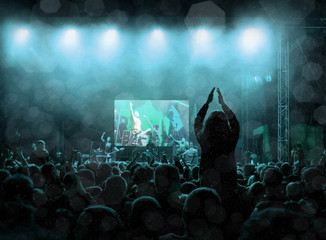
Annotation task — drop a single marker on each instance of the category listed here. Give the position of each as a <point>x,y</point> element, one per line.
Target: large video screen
<point>138,122</point>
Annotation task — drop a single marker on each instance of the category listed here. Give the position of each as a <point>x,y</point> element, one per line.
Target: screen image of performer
<point>136,122</point>
<point>136,129</point>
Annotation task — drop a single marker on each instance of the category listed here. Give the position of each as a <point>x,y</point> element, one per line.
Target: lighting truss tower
<point>283,136</point>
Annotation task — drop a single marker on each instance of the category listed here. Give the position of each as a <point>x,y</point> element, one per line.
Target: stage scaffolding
<point>283,135</point>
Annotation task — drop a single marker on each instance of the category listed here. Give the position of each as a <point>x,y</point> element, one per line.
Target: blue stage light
<point>202,43</point>
<point>157,42</point>
<point>21,37</point>
<point>70,39</point>
<point>252,40</point>
<point>202,37</point>
<point>109,39</point>
<point>268,78</point>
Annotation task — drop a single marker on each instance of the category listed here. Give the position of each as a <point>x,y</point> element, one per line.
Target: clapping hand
<point>220,97</point>
<point>210,96</point>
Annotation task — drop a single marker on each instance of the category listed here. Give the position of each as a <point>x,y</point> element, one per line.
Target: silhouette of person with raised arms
<point>218,137</point>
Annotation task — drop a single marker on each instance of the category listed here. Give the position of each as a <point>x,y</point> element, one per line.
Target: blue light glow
<point>70,39</point>
<point>268,78</point>
<point>157,42</point>
<point>108,44</point>
<point>252,40</point>
<point>257,79</point>
<point>21,37</point>
<point>203,45</point>
<point>109,39</point>
<point>202,37</point>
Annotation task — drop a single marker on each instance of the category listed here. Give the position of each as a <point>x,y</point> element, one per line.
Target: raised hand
<point>220,97</point>
<point>210,96</point>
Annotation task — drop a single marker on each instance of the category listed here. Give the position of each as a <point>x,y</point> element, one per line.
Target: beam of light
<point>70,39</point>
<point>202,37</point>
<point>157,35</point>
<point>21,37</point>
<point>252,40</point>
<point>109,39</point>
<point>157,42</point>
<point>108,44</point>
<point>202,43</point>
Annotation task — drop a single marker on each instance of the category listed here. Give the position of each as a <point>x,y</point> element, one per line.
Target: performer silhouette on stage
<point>183,146</point>
<point>109,148</point>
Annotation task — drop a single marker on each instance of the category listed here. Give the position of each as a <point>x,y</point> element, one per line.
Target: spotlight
<point>268,78</point>
<point>252,40</point>
<point>21,36</point>
<point>70,39</point>
<point>257,79</point>
<point>202,36</point>
<point>157,35</point>
<point>109,38</point>
<point>157,42</point>
<point>108,44</point>
<point>202,43</point>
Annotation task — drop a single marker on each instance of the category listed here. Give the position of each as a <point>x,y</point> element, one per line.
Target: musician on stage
<point>183,146</point>
<point>109,148</point>
<point>191,155</point>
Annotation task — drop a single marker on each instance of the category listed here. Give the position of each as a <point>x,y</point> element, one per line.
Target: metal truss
<point>283,136</point>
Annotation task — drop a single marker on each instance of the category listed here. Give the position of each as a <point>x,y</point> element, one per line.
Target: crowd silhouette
<point>215,199</point>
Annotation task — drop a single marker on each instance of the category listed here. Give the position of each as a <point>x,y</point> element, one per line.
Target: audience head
<point>313,180</point>
<point>103,172</point>
<point>98,222</point>
<point>294,191</point>
<point>87,177</point>
<point>275,223</point>
<point>143,174</point>
<point>18,188</point>
<point>216,117</point>
<point>286,169</point>
<point>202,213</point>
<point>248,170</point>
<point>49,172</point>
<point>114,191</point>
<point>272,177</point>
<point>146,216</point>
<point>166,178</point>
